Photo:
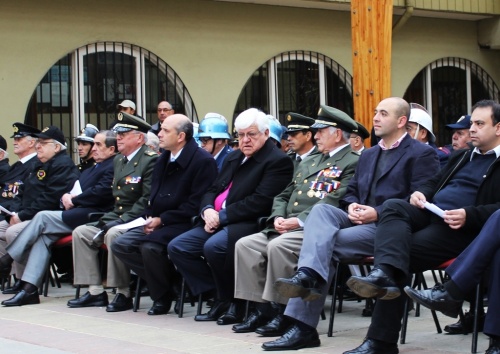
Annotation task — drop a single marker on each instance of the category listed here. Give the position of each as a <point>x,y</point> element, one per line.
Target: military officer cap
<point>297,122</point>
<point>128,122</point>
<point>3,143</point>
<point>362,132</point>
<point>21,130</point>
<point>51,132</point>
<point>333,117</point>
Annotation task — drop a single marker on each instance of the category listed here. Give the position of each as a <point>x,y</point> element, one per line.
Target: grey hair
<point>252,116</point>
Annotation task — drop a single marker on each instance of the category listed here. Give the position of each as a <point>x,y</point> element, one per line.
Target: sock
<point>125,291</point>
<point>304,327</point>
<point>6,260</point>
<point>96,289</point>
<point>455,292</point>
<point>29,288</point>
<point>311,273</point>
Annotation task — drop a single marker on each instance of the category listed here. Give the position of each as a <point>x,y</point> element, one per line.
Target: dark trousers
<point>149,261</point>
<point>409,239</point>
<point>200,257</point>
<point>468,269</point>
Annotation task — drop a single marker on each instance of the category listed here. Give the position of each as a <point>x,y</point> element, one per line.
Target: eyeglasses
<point>43,143</point>
<point>249,135</point>
<point>164,109</point>
<point>205,141</point>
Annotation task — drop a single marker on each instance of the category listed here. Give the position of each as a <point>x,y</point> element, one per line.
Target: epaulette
<point>444,149</point>
<point>150,153</point>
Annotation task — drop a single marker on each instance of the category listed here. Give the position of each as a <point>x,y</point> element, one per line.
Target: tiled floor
<point>52,327</point>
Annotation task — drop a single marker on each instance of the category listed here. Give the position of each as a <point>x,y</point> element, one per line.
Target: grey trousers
<point>329,236</point>
<point>260,260</point>
<point>7,235</point>
<point>31,248</point>
<point>86,263</point>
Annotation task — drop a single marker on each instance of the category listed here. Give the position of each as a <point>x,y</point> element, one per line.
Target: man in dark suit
<point>133,169</point>
<point>263,257</point>
<point>481,257</point>
<point>410,238</point>
<point>24,148</point>
<point>52,175</point>
<point>393,168</point>
<point>181,177</point>
<point>243,191</point>
<point>31,248</point>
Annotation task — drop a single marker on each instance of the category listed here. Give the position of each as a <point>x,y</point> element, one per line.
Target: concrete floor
<point>52,328</point>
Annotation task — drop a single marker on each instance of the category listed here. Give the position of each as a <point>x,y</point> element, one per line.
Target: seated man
<point>410,238</point>
<point>300,138</point>
<point>393,168</point>
<point>460,137</point>
<point>32,246</point>
<point>133,169</point>
<point>213,136</point>
<point>24,148</point>
<point>85,142</point>
<point>465,273</point>
<point>52,175</point>
<point>357,139</point>
<point>243,192</point>
<point>181,177</point>
<point>263,257</point>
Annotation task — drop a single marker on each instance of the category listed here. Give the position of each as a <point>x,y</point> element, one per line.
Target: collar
<point>132,155</point>
<point>27,157</point>
<point>303,156</point>
<point>381,143</point>
<point>333,152</point>
<point>495,151</point>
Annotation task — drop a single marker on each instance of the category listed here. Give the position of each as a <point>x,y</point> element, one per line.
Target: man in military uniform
<point>133,169</point>
<point>213,135</point>
<point>32,246</point>
<point>357,139</point>
<point>53,174</point>
<point>300,137</point>
<point>85,143</point>
<point>266,256</point>
<point>24,148</point>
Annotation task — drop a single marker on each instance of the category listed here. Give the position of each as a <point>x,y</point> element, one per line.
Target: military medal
<point>41,174</point>
<point>310,193</point>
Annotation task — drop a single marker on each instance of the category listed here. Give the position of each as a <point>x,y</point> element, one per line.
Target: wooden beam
<point>371,28</point>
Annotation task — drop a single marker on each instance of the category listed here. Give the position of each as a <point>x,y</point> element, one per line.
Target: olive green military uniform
<point>318,179</point>
<point>131,190</point>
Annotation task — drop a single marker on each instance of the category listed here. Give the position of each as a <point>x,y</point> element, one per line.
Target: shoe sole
<point>93,304</point>
<point>33,302</point>
<point>424,302</point>
<point>368,290</point>
<point>292,290</point>
<point>313,344</point>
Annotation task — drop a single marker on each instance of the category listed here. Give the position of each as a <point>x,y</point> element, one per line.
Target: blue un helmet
<point>87,134</point>
<point>275,130</point>
<point>213,126</point>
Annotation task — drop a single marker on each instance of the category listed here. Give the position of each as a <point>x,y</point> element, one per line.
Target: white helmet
<point>421,117</point>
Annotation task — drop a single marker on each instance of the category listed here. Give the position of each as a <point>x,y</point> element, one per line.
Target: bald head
<point>175,132</point>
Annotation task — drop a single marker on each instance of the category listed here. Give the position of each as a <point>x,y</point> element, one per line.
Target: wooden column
<point>371,27</point>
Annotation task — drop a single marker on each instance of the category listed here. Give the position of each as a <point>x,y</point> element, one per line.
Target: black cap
<point>296,122</point>
<point>128,122</point>
<point>21,130</point>
<point>333,117</point>
<point>51,132</point>
<point>362,132</point>
<point>3,143</point>
<point>462,123</point>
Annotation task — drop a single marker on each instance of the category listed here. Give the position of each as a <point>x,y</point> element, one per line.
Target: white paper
<point>77,189</point>
<point>130,225</point>
<point>8,212</point>
<point>435,209</point>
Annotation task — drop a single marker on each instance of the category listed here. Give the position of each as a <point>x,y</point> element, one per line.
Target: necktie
<point>299,158</point>
<point>125,160</point>
<point>219,200</point>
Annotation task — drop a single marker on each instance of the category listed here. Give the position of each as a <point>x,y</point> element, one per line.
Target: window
<point>448,88</point>
<point>85,86</point>
<point>298,82</point>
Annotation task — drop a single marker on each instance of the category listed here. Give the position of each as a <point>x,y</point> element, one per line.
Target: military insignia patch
<point>289,118</point>
<point>45,129</point>
<point>120,116</point>
<point>16,129</point>
<point>133,179</point>
<point>41,174</point>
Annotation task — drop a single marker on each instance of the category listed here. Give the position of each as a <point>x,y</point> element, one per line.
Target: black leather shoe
<point>23,298</point>
<point>376,284</point>
<point>87,300</point>
<point>294,339</point>
<point>255,320</point>
<point>218,308</point>
<point>160,307</point>
<point>468,325</point>
<point>234,314</point>
<point>300,285</point>
<point>120,303</point>
<point>494,347</point>
<point>372,346</point>
<point>436,299</point>
<point>14,289</point>
<point>5,271</point>
<point>276,327</point>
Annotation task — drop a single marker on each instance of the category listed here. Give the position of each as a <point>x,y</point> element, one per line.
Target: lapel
<point>130,167</point>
